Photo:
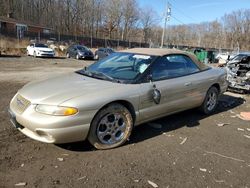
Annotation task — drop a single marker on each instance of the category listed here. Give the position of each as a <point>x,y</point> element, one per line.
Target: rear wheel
<point>111,127</point>
<point>211,100</point>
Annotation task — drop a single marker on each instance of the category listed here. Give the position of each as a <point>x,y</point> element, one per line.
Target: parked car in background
<point>79,52</point>
<point>103,52</point>
<point>103,102</point>
<point>40,50</point>
<point>238,69</point>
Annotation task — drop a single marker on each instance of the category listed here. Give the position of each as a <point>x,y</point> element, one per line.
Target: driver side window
<point>173,66</point>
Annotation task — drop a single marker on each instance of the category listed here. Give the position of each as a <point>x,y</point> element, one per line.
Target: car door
<point>73,51</point>
<point>101,53</point>
<point>198,81</point>
<point>170,76</point>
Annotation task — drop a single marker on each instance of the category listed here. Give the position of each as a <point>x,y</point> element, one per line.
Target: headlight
<point>56,110</point>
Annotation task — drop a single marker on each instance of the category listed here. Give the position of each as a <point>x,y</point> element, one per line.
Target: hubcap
<point>111,128</point>
<point>211,101</point>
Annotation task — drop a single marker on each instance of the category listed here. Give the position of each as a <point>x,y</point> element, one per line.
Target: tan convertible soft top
<point>163,52</point>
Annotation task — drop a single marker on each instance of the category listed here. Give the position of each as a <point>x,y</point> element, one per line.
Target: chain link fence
<point>90,42</point>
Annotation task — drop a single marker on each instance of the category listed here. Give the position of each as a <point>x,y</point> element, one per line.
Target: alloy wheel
<point>111,128</point>
<point>211,101</point>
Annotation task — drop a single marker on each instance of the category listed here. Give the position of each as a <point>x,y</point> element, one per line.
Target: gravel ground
<point>191,151</point>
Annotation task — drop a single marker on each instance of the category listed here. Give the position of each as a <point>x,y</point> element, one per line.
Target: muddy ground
<point>189,150</point>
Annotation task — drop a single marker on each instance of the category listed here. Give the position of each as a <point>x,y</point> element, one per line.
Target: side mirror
<point>156,95</point>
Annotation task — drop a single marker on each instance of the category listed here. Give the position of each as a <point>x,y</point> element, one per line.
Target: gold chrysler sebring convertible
<point>103,102</point>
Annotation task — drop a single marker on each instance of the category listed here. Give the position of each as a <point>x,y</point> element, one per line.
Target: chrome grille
<point>20,104</point>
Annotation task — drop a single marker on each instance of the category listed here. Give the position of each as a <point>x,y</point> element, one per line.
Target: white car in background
<point>40,50</point>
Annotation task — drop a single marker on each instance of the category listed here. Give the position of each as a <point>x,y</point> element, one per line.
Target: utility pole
<point>167,14</point>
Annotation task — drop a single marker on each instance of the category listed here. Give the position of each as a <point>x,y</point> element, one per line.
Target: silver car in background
<point>103,102</point>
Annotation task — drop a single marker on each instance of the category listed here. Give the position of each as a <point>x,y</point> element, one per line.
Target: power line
<point>178,20</point>
<point>180,11</point>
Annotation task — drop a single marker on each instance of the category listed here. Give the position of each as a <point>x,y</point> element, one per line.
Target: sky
<point>195,11</point>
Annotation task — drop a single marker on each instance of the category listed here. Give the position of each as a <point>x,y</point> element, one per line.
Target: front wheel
<point>111,127</point>
<point>77,56</point>
<point>211,101</point>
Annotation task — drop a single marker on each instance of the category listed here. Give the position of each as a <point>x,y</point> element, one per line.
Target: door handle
<point>188,84</point>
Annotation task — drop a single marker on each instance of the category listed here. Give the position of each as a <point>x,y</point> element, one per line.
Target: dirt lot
<point>189,150</point>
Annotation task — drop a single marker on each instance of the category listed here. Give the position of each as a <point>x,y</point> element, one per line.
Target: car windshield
<point>41,46</point>
<point>239,57</point>
<point>121,66</point>
<point>82,48</point>
<point>110,50</point>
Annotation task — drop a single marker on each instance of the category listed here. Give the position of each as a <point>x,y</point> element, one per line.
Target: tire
<point>211,101</point>
<point>111,127</point>
<point>77,56</point>
<point>67,55</point>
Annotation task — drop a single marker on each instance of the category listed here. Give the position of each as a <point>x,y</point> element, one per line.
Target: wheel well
<point>217,86</point>
<point>127,104</point>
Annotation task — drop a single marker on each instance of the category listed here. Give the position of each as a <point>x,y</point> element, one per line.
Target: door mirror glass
<point>156,95</point>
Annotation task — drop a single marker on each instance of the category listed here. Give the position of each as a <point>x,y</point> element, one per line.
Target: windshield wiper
<point>101,75</point>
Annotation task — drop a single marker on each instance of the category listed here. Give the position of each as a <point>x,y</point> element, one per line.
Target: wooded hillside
<point>125,20</point>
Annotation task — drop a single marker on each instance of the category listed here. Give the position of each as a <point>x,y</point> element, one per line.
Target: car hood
<point>57,90</point>
<point>44,49</point>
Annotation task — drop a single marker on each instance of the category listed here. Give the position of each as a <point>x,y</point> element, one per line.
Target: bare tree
<point>148,20</point>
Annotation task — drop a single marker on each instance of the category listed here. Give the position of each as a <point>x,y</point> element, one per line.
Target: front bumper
<point>235,85</point>
<point>50,129</point>
<point>45,54</point>
<point>84,56</point>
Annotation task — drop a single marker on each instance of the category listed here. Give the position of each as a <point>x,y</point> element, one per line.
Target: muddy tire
<point>111,127</point>
<point>211,101</point>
